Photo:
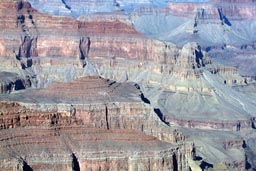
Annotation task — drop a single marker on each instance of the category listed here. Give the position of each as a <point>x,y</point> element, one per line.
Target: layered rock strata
<point>215,10</point>
<point>107,111</point>
<point>106,37</point>
<point>229,149</point>
<point>191,77</point>
<point>81,148</point>
<point>12,82</point>
<point>175,87</point>
<point>112,107</point>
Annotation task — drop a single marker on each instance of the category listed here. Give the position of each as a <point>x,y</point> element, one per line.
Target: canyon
<point>127,85</point>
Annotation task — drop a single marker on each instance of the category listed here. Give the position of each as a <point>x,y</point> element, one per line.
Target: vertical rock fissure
<point>75,163</point>
<point>175,162</point>
<point>84,48</point>
<point>220,13</point>
<point>27,49</point>
<point>29,35</point>
<point>106,113</point>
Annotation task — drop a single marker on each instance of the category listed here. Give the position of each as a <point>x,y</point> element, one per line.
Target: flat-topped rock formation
<point>87,89</point>
<point>47,37</point>
<point>99,132</point>
<point>95,101</point>
<point>81,148</point>
<point>32,40</point>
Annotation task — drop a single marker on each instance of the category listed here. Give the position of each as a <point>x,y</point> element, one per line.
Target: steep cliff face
<point>229,18</point>
<point>78,149</point>
<point>122,128</point>
<point>45,36</point>
<point>84,48</point>
<point>114,108</point>
<point>34,40</point>
<point>205,23</point>
<point>215,10</point>
<point>11,82</point>
<point>28,48</point>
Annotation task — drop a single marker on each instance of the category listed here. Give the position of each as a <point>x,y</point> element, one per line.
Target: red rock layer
<point>54,149</point>
<point>60,36</point>
<point>91,100</point>
<point>232,10</point>
<point>88,89</point>
<point>212,125</point>
<point>48,140</point>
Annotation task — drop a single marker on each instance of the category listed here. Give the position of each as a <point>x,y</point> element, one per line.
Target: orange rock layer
<point>60,36</point>
<point>53,141</point>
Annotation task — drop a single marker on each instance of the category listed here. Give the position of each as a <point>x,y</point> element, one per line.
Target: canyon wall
<point>33,34</point>
<point>79,131</point>
<point>96,123</point>
<point>215,9</point>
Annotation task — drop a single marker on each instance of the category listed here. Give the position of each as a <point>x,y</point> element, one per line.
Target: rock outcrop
<point>11,82</point>
<point>215,10</point>
<point>80,148</point>
<point>106,37</point>
<point>213,24</point>
<point>87,135</point>
<point>84,48</point>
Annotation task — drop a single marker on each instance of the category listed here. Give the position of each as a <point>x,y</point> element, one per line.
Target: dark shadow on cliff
<point>26,167</point>
<point>198,158</point>
<point>223,18</point>
<point>175,163</point>
<point>199,57</point>
<point>161,115</point>
<point>19,85</point>
<point>66,6</point>
<point>144,99</point>
<point>204,165</point>
<point>226,21</point>
<point>75,163</point>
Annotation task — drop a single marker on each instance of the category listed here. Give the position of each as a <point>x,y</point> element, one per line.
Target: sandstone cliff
<point>98,135</point>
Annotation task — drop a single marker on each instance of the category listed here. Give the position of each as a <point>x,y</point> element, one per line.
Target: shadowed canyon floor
<point>108,91</point>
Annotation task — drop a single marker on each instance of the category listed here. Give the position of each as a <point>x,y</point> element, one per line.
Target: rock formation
<point>96,94</point>
<point>84,48</point>
<point>12,82</point>
<point>80,136</point>
<point>213,24</point>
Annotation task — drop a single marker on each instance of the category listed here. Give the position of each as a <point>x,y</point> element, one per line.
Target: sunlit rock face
<point>84,7</point>
<point>109,128</point>
<point>92,92</point>
<point>215,25</point>
<point>212,24</point>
